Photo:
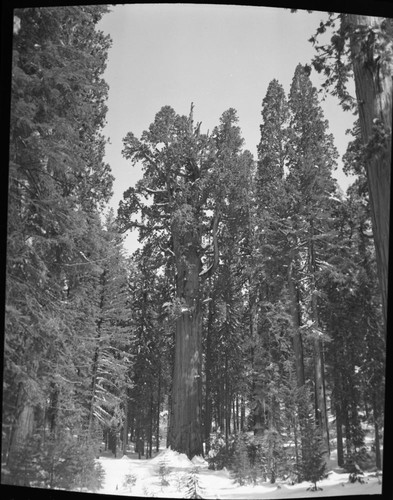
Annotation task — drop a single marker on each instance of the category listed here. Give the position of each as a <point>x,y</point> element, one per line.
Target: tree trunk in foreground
<point>185,433</point>
<point>373,81</point>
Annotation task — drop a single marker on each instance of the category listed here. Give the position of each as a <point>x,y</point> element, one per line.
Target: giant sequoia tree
<point>177,165</point>
<point>361,46</point>
<point>186,179</point>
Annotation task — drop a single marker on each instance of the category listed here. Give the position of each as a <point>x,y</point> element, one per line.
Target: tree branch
<point>167,249</point>
<point>210,270</point>
<point>155,191</point>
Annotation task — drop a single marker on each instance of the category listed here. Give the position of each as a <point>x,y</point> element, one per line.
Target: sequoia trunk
<point>185,422</point>
<point>373,83</point>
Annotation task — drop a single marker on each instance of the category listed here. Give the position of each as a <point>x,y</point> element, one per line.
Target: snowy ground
<point>129,476</point>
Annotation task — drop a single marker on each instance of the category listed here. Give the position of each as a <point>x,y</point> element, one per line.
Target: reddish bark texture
<point>373,82</point>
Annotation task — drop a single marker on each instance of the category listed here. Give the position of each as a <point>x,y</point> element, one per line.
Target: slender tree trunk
<point>297,337</point>
<point>125,425</point>
<point>227,402</point>
<point>271,427</point>
<point>158,409</point>
<point>151,427</point>
<point>340,447</point>
<point>296,448</point>
<point>222,404</point>
<point>348,440</point>
<point>237,414</point>
<point>338,410</point>
<point>208,374</point>
<point>242,413</point>
<point>324,397</point>
<point>373,83</point>
<point>97,352</point>
<point>234,416</point>
<point>258,390</point>
<point>378,460</point>
<point>106,438</point>
<point>169,424</point>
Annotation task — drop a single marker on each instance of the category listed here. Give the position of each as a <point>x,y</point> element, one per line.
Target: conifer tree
<point>176,167</point>
<point>310,188</point>
<point>350,285</point>
<point>360,48</point>
<point>57,88</point>
<point>181,170</point>
<point>236,167</point>
<point>269,254</point>
<point>153,347</point>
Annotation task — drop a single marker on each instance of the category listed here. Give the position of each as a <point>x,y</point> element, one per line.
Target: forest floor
<point>130,476</point>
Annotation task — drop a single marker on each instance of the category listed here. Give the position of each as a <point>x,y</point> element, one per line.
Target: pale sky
<point>216,56</point>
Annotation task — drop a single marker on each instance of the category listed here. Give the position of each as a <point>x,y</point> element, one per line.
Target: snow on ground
<point>165,475</point>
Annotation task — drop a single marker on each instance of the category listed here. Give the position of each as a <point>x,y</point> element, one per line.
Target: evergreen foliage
<point>54,388</point>
<point>221,452</point>
<point>313,463</point>
<point>63,462</point>
<point>192,486</point>
<point>249,315</point>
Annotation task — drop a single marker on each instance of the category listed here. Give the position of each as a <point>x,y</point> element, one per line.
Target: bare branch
<point>167,249</point>
<point>154,191</point>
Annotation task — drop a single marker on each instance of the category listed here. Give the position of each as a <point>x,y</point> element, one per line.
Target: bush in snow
<point>193,488</point>
<point>221,452</point>
<point>355,472</point>
<point>248,462</point>
<point>273,451</point>
<point>241,466</point>
<point>65,463</point>
<point>179,480</point>
<point>361,457</point>
<point>163,472</point>
<point>312,466</point>
<point>129,481</point>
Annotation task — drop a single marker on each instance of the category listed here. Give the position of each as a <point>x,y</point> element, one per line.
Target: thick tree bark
<point>186,421</point>
<point>373,83</point>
